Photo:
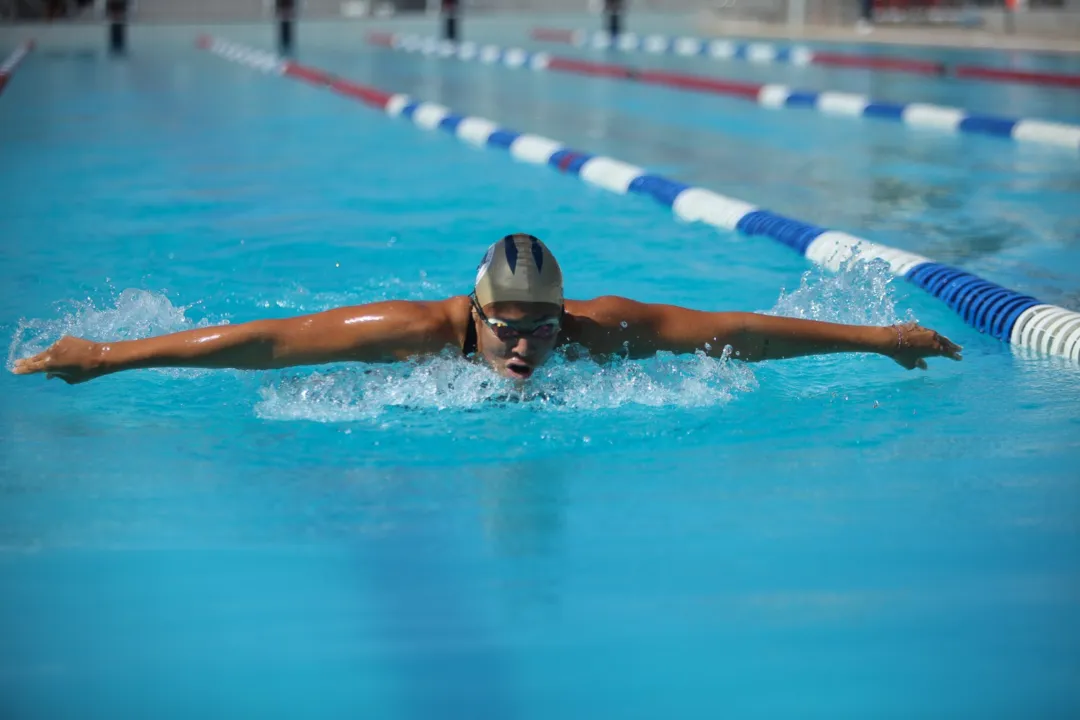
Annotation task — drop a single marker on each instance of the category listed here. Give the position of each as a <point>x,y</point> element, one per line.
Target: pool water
<point>674,537</point>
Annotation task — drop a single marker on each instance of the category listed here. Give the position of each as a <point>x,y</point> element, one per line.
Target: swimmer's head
<point>518,299</point>
<point>519,268</point>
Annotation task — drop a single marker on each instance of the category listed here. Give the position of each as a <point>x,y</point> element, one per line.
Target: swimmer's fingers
<point>909,363</point>
<point>915,343</point>
<point>943,346</point>
<point>950,349</point>
<point>68,359</point>
<point>33,364</point>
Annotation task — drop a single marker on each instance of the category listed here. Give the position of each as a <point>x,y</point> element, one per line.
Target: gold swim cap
<point>519,267</point>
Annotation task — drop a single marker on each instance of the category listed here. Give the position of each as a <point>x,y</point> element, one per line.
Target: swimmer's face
<point>515,338</point>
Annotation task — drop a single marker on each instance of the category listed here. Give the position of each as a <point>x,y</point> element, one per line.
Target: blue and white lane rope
<point>799,55</point>
<point>720,49</point>
<point>918,115</point>
<point>1005,314</point>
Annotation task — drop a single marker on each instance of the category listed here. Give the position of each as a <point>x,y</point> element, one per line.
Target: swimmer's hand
<point>913,343</point>
<point>70,359</point>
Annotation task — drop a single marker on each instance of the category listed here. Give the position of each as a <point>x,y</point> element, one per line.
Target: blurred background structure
<point>1057,18</point>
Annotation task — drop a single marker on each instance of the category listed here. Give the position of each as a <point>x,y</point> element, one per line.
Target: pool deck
<point>713,26</point>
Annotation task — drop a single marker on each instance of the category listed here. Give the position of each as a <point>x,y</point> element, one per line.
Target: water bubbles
<point>624,325</point>
<point>860,294</point>
<point>391,241</point>
<point>449,383</point>
<point>708,347</point>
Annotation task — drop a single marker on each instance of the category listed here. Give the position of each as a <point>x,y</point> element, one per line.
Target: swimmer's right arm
<point>378,332</point>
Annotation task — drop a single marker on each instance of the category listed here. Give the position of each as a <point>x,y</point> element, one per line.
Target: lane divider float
<point>8,67</point>
<point>755,52</point>
<point>1005,314</point>
<point>767,53</point>
<point>916,115</point>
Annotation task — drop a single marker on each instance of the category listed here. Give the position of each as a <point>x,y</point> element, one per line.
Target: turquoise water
<point>680,537</point>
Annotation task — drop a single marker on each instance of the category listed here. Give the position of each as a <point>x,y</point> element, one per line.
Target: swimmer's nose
<point>525,347</point>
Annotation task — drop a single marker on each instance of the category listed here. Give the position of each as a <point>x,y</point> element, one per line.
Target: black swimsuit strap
<point>470,338</point>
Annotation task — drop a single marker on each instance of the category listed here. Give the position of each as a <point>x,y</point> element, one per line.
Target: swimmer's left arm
<point>640,329</point>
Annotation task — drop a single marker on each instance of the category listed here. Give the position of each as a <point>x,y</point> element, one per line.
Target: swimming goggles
<point>506,331</point>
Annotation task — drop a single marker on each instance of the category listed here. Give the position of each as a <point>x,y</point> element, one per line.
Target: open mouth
<point>519,369</point>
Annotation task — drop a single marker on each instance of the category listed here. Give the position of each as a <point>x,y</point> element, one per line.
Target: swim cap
<point>519,267</point>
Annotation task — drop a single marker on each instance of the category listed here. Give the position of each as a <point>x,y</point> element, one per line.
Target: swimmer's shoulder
<point>456,314</point>
<point>605,309</point>
<point>424,325</point>
<point>597,323</point>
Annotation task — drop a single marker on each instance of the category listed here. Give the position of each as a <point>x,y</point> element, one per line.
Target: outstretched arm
<point>372,333</point>
<point>609,322</point>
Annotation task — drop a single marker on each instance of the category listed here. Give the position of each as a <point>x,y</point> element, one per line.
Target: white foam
<point>859,292</point>
<point>449,383</point>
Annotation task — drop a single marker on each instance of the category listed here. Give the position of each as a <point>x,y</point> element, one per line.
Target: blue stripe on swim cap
<point>511,252</point>
<point>537,253</point>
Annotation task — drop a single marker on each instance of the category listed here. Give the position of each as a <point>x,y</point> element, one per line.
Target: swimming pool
<point>680,537</point>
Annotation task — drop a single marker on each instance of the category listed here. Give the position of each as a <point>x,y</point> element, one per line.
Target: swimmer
<point>513,320</point>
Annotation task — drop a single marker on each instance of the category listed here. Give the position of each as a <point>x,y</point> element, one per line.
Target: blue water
<point>678,537</point>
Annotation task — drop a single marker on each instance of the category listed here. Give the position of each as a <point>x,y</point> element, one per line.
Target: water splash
<point>861,293</point>
<point>134,314</point>
<point>451,383</point>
